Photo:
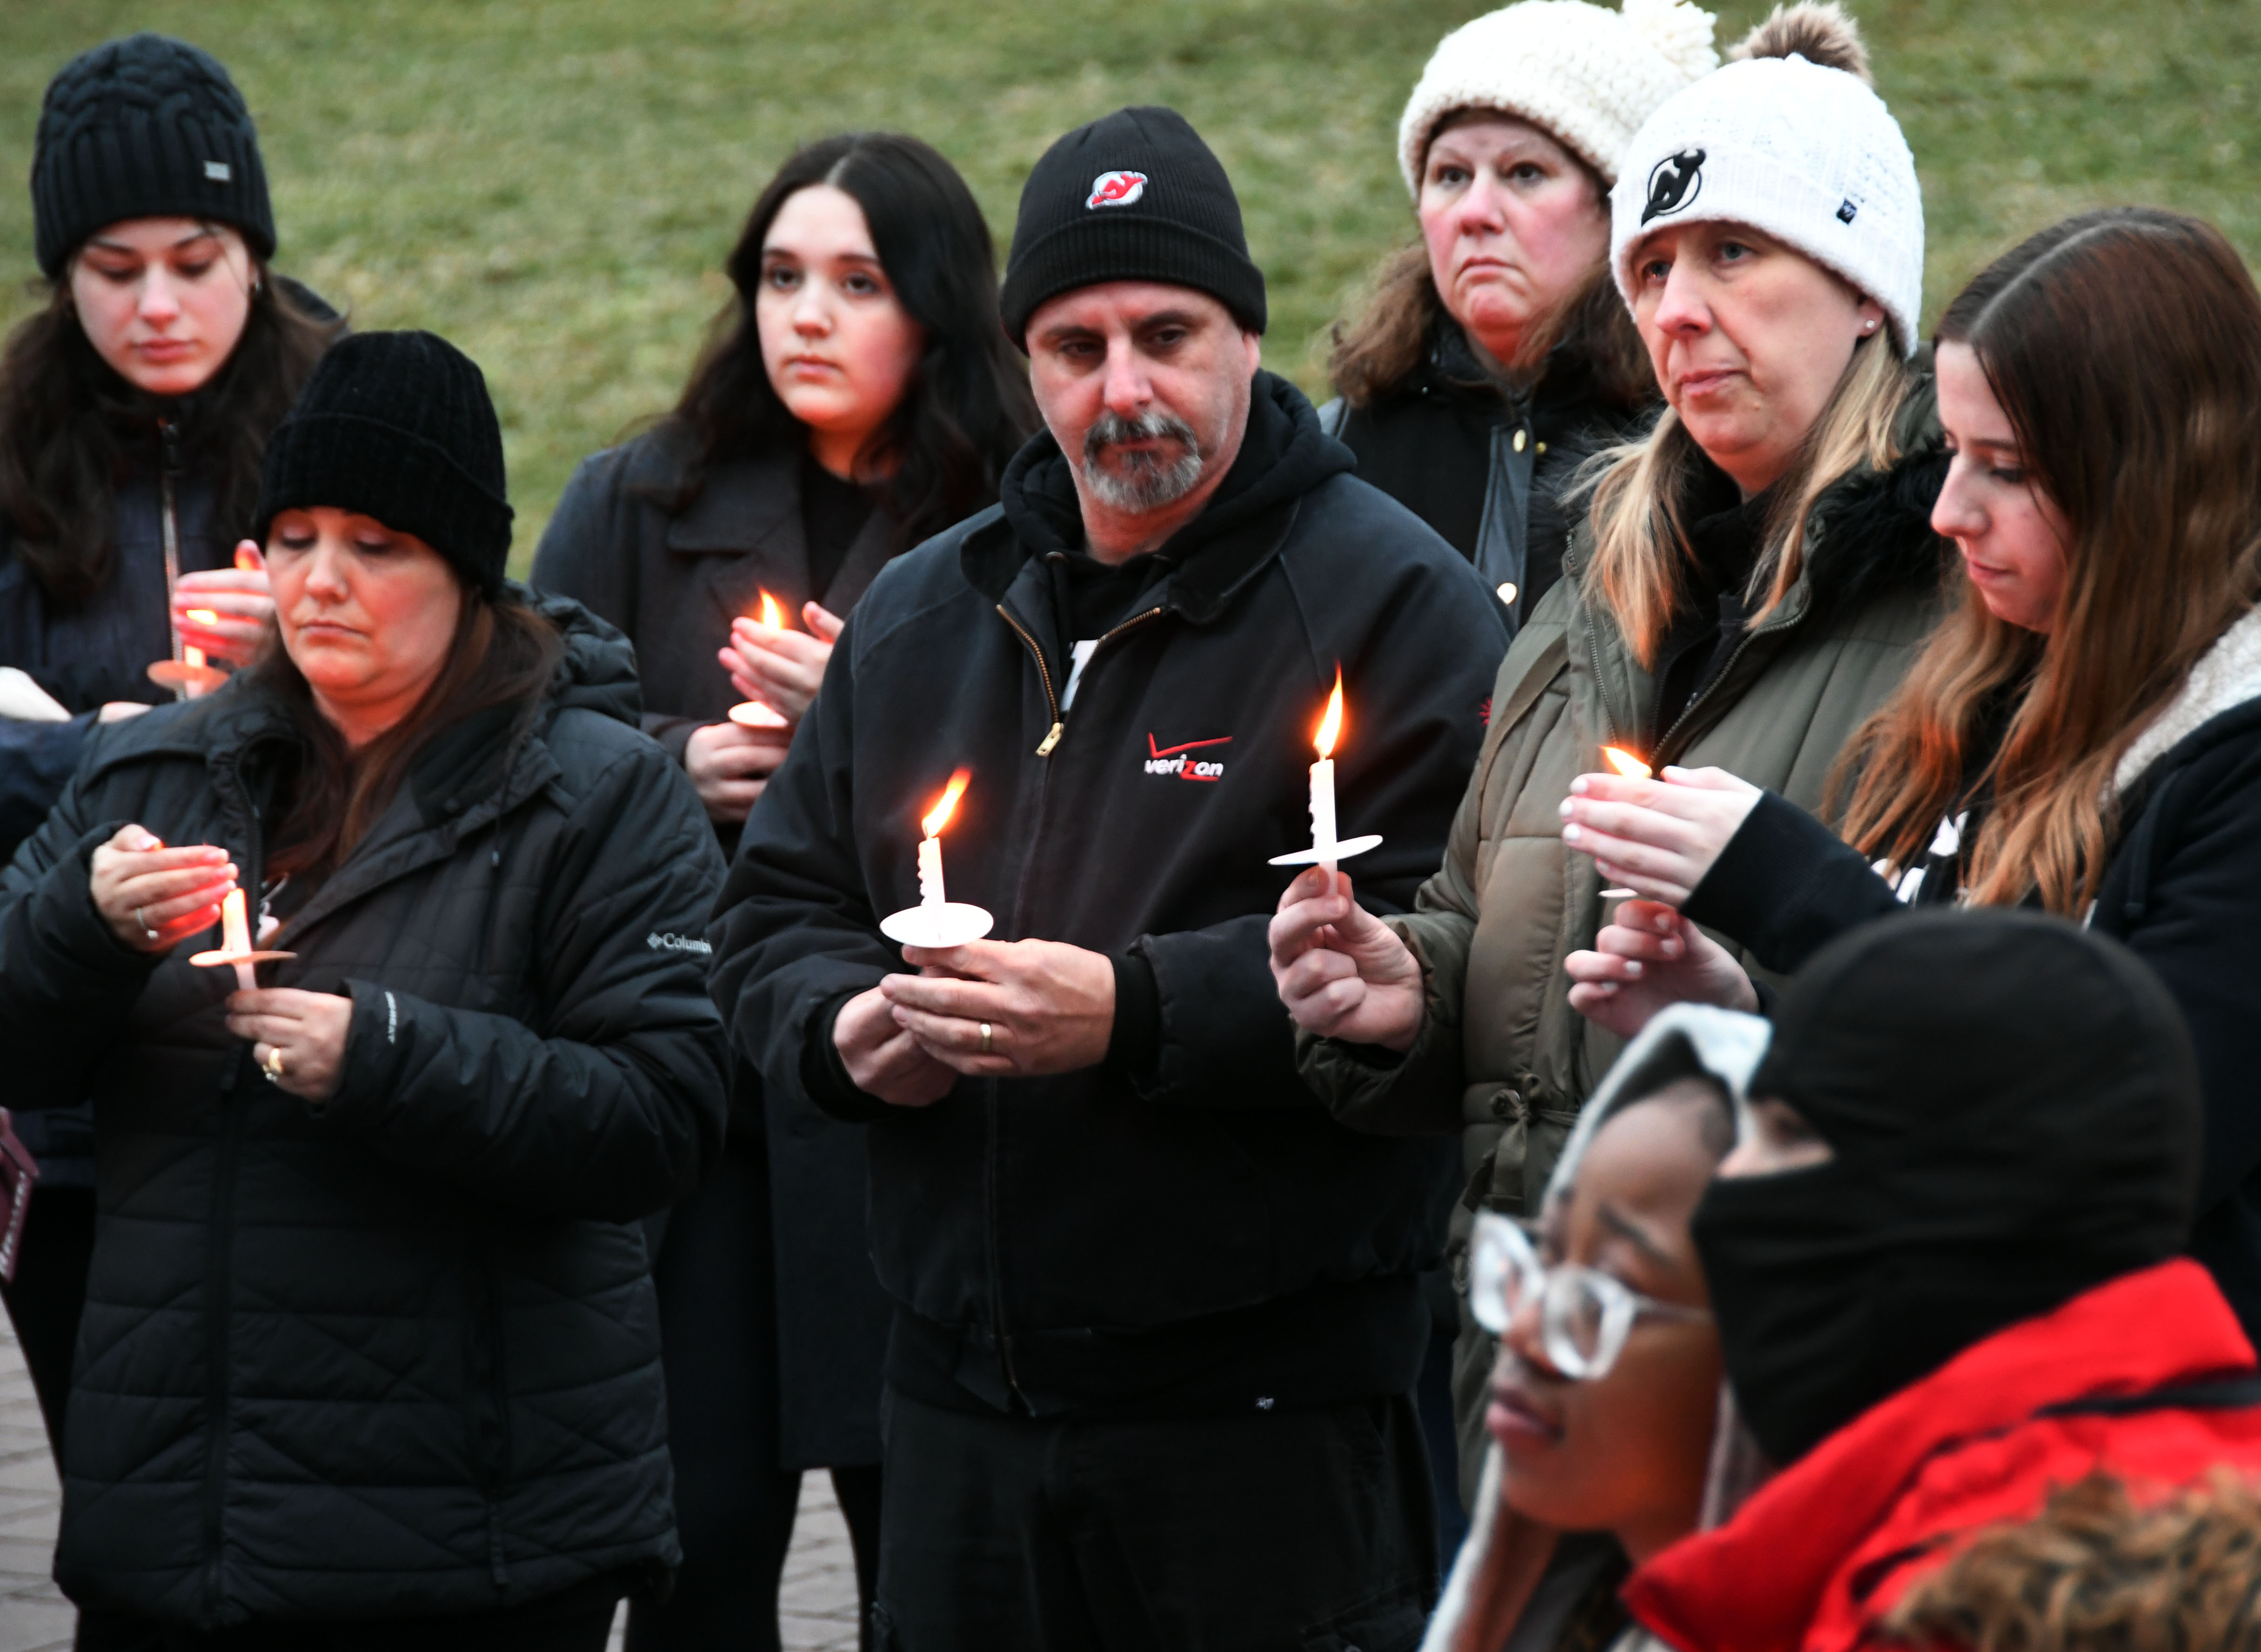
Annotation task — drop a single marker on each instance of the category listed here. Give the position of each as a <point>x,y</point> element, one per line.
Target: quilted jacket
<point>397,1355</point>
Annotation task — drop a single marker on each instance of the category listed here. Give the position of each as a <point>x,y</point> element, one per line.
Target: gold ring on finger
<point>986,1030</point>
<point>273,1065</point>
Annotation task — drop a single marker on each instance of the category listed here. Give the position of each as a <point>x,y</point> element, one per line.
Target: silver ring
<point>985,1038</point>
<point>144,922</point>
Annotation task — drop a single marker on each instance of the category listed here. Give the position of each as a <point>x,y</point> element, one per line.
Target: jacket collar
<point>2225,676</point>
<point>748,505</point>
<point>1755,1584</point>
<point>1284,455</point>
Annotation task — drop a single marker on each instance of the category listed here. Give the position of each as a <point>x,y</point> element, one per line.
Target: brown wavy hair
<point>2124,346</point>
<point>2094,1572</point>
<point>69,424</point>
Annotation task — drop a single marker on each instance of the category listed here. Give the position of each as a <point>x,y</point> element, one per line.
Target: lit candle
<point>193,655</point>
<point>1323,779</point>
<point>929,849</point>
<point>753,713</point>
<point>235,938</point>
<point>1633,768</point>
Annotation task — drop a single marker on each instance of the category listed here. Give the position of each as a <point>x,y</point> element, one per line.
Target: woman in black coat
<point>1495,357</point>
<point>134,406</point>
<point>371,1334</point>
<point>860,396</point>
<point>2084,734</point>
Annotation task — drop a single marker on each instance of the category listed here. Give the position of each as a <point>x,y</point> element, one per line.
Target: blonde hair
<point>1642,559</point>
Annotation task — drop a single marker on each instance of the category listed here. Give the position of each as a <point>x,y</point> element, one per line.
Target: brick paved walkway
<point>816,1609</point>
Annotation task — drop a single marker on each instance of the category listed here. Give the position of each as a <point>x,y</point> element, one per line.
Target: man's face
<point>1145,386</point>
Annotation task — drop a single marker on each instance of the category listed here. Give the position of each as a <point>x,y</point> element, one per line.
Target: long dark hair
<point>967,409</point>
<point>69,425</point>
<point>504,653</point>
<point>2124,346</point>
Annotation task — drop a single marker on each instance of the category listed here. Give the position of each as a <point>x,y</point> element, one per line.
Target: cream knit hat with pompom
<point>1806,154</point>
<point>1587,75</point>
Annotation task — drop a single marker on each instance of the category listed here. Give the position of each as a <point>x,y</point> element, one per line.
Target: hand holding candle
<point>223,615</point>
<point>154,897</point>
<point>775,667</point>
<point>1656,837</point>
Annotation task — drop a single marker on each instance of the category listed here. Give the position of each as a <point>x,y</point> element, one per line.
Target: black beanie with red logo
<point>1135,196</point>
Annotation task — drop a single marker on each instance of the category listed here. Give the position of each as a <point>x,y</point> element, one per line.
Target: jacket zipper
<point>218,1272</point>
<point>990,1214</point>
<point>1726,671</point>
<point>169,470</point>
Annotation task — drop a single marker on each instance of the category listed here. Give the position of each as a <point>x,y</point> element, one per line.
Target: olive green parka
<point>1501,1057</point>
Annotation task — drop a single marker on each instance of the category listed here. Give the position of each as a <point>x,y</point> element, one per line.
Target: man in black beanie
<point>1158,1315</point>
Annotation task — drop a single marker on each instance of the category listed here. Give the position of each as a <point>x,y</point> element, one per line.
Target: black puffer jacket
<point>398,1355</point>
<point>1182,1229</point>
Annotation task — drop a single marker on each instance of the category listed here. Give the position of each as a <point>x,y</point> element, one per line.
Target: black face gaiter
<point>2013,1106</point>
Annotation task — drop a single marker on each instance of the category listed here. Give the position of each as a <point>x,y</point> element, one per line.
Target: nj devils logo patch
<point>1182,761</point>
<point>1116,189</point>
<point>1675,183</point>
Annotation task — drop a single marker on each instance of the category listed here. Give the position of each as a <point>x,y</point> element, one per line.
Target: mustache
<point>1110,429</point>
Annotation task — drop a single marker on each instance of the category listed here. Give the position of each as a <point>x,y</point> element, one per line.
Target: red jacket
<point>1813,1561</point>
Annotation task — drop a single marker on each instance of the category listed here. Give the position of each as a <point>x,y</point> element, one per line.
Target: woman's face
<point>1514,225</point>
<point>839,347</point>
<point>1626,1452</point>
<point>163,300</point>
<point>368,615</point>
<point>1748,340</point>
<point>2011,535</point>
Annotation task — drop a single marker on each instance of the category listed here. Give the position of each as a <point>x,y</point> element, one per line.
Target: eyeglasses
<point>1584,1316</point>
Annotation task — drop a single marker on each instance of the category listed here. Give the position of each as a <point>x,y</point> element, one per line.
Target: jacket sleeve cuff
<point>1375,1089</point>
<point>824,1071</point>
<point>1786,886</point>
<point>1135,1045</point>
<point>674,734</point>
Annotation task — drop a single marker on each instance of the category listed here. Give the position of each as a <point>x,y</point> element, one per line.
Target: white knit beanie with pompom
<point>1806,154</point>
<point>1587,75</point>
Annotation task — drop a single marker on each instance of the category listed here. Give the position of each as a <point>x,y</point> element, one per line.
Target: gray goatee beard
<point>1145,482</point>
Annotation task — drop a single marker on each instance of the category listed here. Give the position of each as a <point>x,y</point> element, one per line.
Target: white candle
<point>1323,779</point>
<point>930,872</point>
<point>1322,811</point>
<point>235,937</point>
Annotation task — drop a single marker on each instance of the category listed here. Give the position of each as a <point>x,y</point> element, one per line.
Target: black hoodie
<point>1183,1227</point>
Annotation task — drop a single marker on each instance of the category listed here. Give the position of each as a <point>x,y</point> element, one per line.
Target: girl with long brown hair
<point>2084,732</point>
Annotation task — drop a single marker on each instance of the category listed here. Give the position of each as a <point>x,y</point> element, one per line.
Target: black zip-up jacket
<point>396,1356</point>
<point>1182,1229</point>
<point>2182,888</point>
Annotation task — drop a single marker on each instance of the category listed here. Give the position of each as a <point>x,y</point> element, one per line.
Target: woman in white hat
<point>1752,582</point>
<point>1494,358</point>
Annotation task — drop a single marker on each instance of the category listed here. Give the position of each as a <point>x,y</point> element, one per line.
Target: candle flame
<point>773,616</point>
<point>1330,725</point>
<point>204,616</point>
<point>1625,762</point>
<point>938,817</point>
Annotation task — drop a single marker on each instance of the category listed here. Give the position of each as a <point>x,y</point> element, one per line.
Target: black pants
<point>48,1293</point>
<point>1300,1530</point>
<point>734,1505</point>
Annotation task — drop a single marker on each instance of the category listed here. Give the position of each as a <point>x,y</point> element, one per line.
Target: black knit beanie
<point>144,127</point>
<point>1134,196</point>
<point>398,426</point>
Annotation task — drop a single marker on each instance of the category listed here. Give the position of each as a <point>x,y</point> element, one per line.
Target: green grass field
<point>553,183</point>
